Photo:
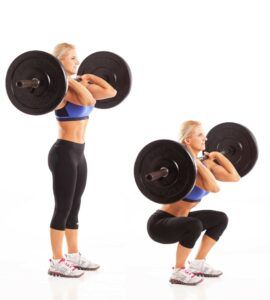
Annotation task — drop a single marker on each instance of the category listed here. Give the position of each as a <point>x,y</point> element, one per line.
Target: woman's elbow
<point>91,101</point>
<point>106,94</point>
<point>213,188</point>
<point>232,177</point>
<point>111,93</point>
<point>236,178</point>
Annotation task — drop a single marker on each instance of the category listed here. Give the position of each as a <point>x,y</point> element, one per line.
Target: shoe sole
<point>86,269</point>
<point>56,274</point>
<point>206,275</point>
<point>174,281</point>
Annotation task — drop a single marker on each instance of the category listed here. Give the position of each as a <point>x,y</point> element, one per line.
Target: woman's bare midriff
<point>73,131</point>
<point>179,208</point>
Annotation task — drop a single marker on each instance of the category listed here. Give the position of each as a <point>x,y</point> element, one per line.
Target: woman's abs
<point>73,131</point>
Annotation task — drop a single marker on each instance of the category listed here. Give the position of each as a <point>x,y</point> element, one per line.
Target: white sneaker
<point>80,262</point>
<point>183,276</point>
<point>63,268</point>
<point>199,267</point>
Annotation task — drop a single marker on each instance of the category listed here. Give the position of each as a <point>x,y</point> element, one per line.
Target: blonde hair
<point>186,129</point>
<point>61,50</point>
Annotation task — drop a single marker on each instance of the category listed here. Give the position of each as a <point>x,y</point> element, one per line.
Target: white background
<point>201,60</point>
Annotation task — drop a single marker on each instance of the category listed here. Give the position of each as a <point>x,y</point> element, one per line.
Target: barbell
<point>36,81</point>
<point>165,171</point>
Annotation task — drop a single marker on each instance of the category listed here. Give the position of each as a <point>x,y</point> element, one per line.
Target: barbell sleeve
<point>163,172</point>
<point>32,83</point>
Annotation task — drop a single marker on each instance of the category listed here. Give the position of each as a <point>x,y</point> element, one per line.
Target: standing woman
<point>68,165</point>
<point>175,223</point>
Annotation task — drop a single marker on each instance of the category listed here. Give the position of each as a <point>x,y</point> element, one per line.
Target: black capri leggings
<point>69,170</point>
<point>165,228</point>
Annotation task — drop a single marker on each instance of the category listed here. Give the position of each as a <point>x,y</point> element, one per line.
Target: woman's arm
<point>99,88</point>
<point>224,170</point>
<point>79,94</point>
<point>205,179</point>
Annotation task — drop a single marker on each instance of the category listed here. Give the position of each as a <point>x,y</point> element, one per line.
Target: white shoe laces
<point>68,264</point>
<point>190,274</point>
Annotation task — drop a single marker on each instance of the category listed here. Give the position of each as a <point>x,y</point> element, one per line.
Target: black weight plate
<point>111,68</point>
<point>238,142</point>
<point>52,87</point>
<point>181,166</point>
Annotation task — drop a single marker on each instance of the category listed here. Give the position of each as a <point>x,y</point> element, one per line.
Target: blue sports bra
<point>73,112</point>
<point>195,195</point>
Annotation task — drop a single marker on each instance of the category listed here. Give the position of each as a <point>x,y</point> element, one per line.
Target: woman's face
<point>70,62</point>
<point>197,139</point>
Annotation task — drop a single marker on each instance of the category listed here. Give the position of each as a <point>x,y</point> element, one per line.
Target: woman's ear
<point>187,141</point>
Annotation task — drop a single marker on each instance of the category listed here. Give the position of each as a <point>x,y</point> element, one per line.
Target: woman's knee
<point>223,219</point>
<point>194,229</point>
<point>216,231</point>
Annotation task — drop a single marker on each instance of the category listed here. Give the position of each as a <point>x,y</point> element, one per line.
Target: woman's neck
<point>193,151</point>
